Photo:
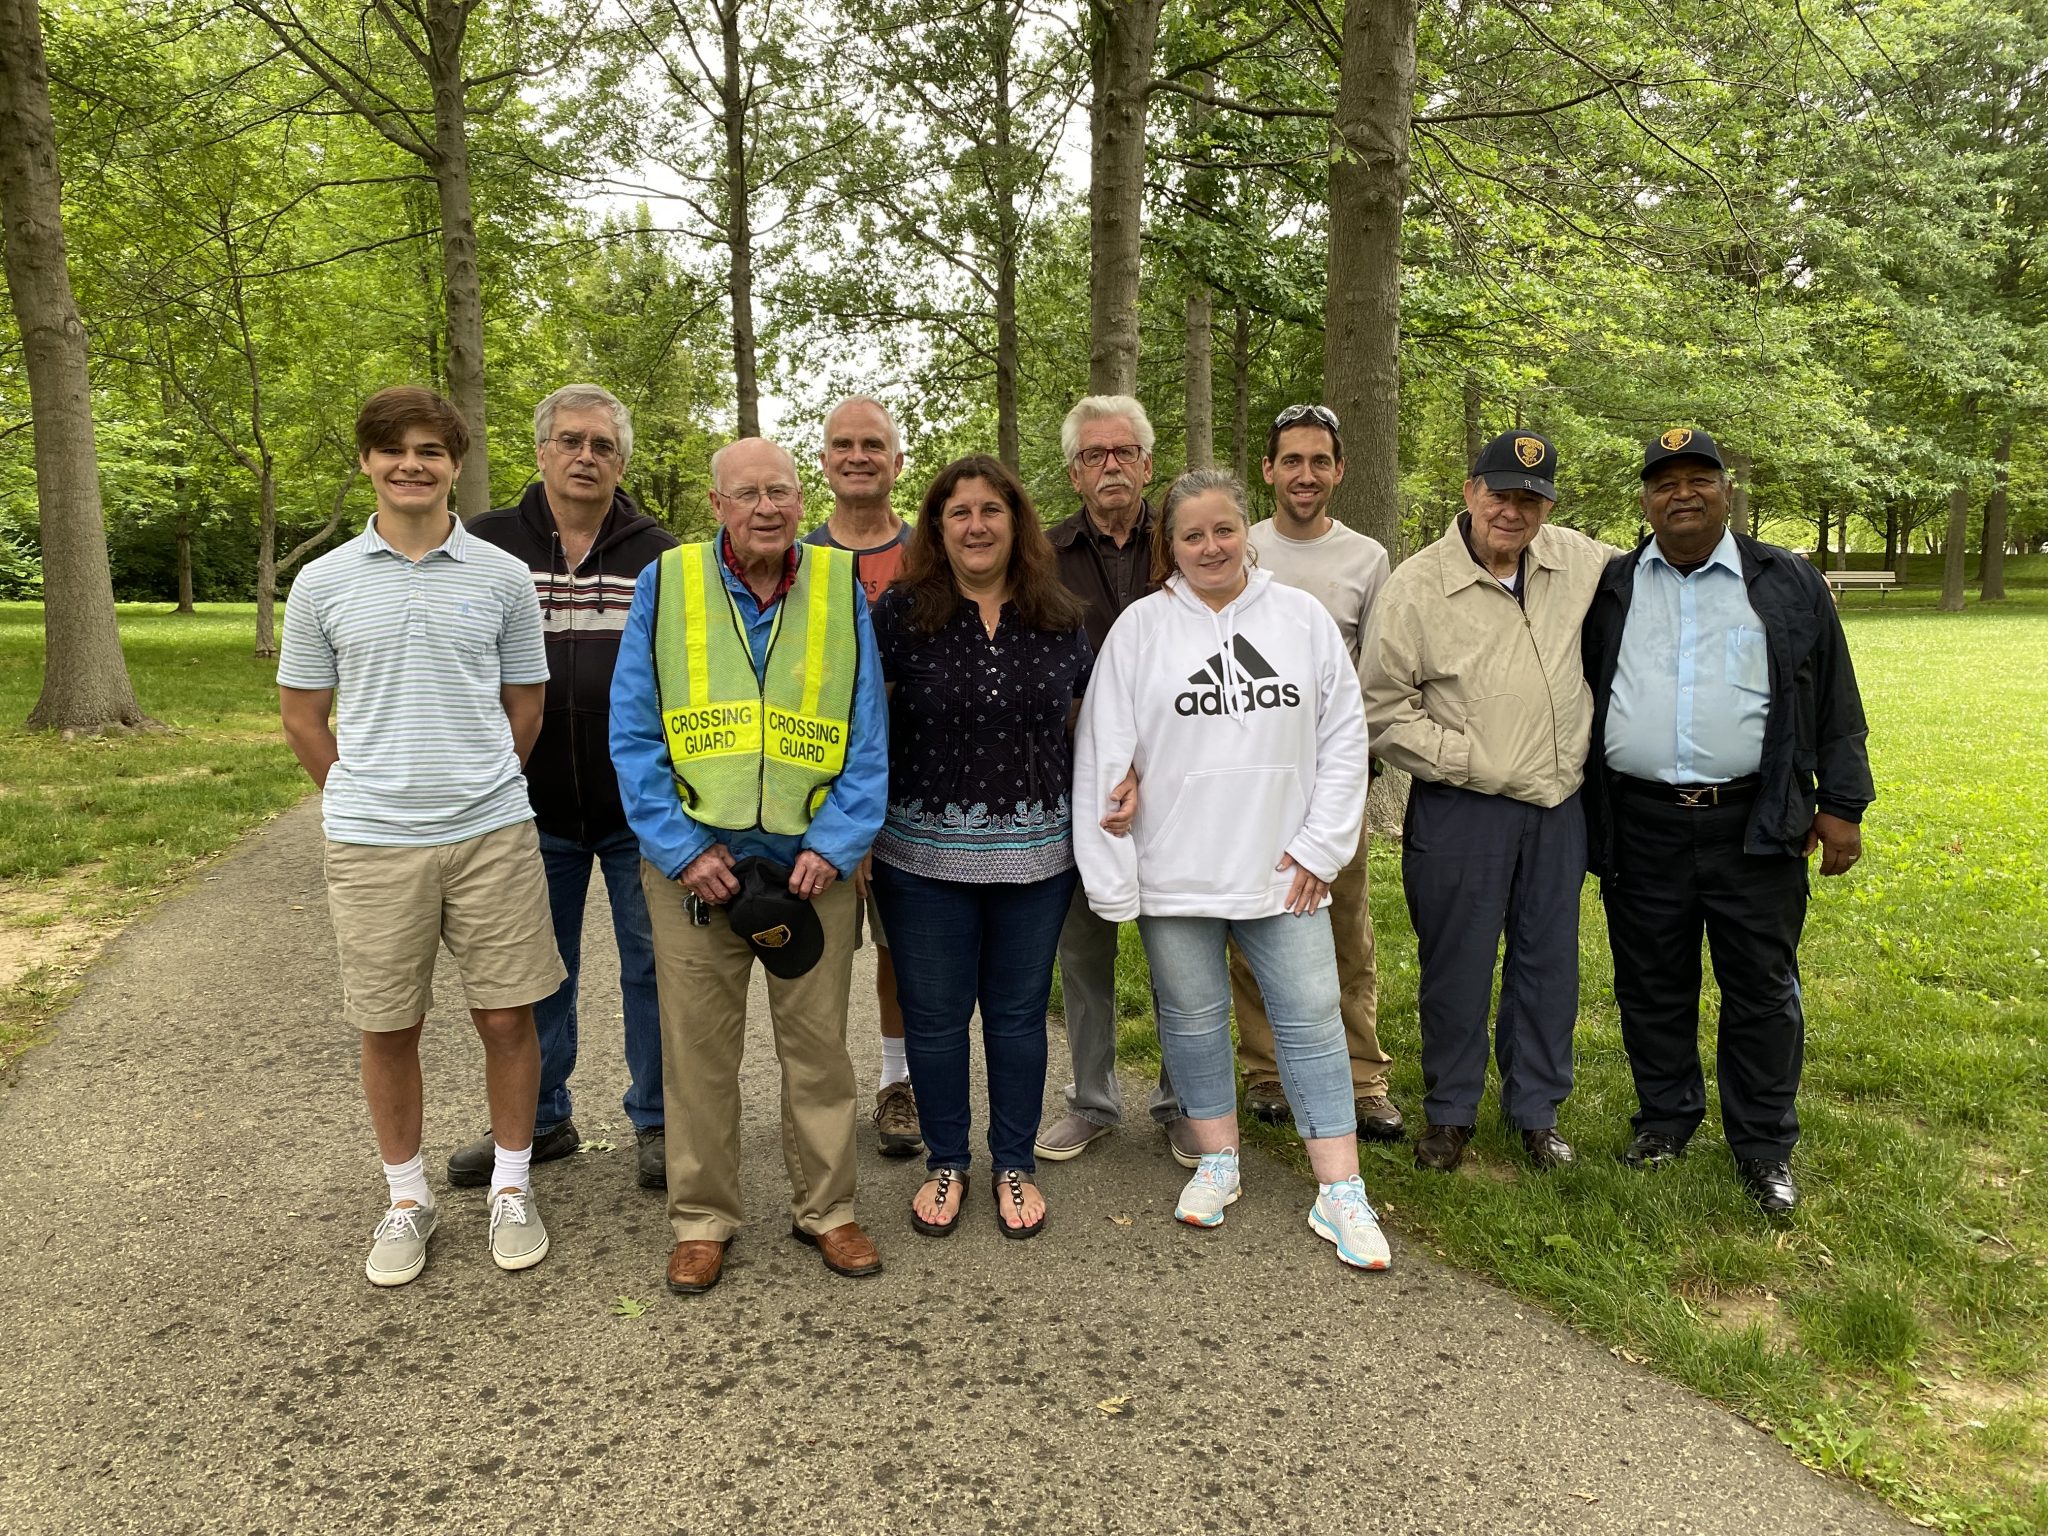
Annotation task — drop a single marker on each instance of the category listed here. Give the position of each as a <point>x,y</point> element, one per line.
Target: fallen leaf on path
<point>1110,1407</point>
<point>1122,1221</point>
<point>626,1306</point>
<point>1590,1498</point>
<point>594,1144</point>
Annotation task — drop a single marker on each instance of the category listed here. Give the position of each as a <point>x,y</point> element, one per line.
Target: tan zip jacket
<point>1468,687</point>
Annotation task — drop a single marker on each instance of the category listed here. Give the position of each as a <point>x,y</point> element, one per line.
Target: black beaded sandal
<point>946,1178</point>
<point>1009,1184</point>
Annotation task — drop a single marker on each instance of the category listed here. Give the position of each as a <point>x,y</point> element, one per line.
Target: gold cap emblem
<point>774,938</point>
<point>1529,450</point>
<point>1675,439</point>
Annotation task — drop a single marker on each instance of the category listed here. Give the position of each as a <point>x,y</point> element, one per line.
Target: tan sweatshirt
<point>1466,686</point>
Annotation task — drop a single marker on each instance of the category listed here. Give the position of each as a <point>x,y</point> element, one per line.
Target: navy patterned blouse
<point>980,765</point>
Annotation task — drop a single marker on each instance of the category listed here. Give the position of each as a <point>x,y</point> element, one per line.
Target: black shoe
<point>1441,1146</point>
<point>1653,1149</point>
<point>470,1167</point>
<point>1547,1149</point>
<point>1769,1184</point>
<point>652,1157</point>
<point>1378,1119</point>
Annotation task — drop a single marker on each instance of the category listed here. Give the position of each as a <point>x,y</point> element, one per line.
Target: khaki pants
<point>702,975</point>
<point>1358,981</point>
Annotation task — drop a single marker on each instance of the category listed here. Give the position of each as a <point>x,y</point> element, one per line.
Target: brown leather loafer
<point>846,1250</point>
<point>1441,1146</point>
<point>1547,1149</point>
<point>694,1267</point>
<point>1378,1118</point>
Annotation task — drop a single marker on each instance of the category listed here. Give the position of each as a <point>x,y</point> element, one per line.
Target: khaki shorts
<point>870,909</point>
<point>393,907</point>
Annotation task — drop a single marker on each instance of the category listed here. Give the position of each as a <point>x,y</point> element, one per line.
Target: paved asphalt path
<point>192,1347</point>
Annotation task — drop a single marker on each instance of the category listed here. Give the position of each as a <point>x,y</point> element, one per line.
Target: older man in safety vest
<point>749,730</point>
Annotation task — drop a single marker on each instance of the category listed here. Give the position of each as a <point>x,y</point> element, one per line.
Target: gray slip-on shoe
<point>518,1240</point>
<point>398,1248</point>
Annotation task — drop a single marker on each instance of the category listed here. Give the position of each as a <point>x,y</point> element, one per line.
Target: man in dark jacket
<point>1728,744</point>
<point>1104,553</point>
<point>586,544</point>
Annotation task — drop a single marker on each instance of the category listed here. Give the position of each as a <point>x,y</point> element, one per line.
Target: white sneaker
<point>1214,1186</point>
<point>1345,1217</point>
<point>518,1240</point>
<point>398,1248</point>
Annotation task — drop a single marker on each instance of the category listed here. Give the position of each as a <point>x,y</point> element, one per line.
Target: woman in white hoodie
<point>1236,703</point>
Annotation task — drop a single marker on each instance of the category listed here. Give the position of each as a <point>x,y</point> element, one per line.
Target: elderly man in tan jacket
<point>1474,686</point>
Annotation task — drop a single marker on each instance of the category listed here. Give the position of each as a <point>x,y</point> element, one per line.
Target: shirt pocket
<point>1748,661</point>
<point>465,634</point>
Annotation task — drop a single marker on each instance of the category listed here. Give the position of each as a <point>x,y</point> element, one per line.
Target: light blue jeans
<point>1294,961</point>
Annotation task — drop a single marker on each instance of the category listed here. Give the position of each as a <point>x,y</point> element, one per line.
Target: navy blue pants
<point>1680,872</point>
<point>1476,869</point>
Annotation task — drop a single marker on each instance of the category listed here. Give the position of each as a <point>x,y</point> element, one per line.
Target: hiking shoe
<point>398,1248</point>
<point>1068,1136</point>
<point>1214,1186</point>
<point>1180,1141</point>
<point>518,1240</point>
<point>896,1128</point>
<point>1378,1118</point>
<point>470,1167</point>
<point>650,1157</point>
<point>1267,1101</point>
<point>1344,1216</point>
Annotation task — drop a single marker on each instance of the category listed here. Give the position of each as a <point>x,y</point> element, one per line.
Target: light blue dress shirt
<point>1692,684</point>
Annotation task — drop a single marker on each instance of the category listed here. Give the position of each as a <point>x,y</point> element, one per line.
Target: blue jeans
<point>1294,961</point>
<point>957,945</point>
<point>568,868</point>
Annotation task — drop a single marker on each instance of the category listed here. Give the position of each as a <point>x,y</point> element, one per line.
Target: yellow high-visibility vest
<point>752,750</point>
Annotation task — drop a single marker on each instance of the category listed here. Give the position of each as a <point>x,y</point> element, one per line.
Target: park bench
<point>1841,581</point>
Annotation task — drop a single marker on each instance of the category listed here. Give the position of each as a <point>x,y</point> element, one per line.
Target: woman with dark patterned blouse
<point>984,656</point>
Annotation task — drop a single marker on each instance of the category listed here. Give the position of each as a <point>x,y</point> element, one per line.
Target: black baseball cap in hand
<point>1518,461</point>
<point>782,928</point>
<point>1680,443</point>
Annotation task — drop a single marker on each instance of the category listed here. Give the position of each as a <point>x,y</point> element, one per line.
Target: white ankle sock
<point>408,1181</point>
<point>895,1065</point>
<point>509,1169</point>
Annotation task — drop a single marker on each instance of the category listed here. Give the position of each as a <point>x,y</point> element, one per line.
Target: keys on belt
<point>1691,796</point>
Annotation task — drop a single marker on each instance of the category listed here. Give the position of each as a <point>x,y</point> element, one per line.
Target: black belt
<point>1694,796</point>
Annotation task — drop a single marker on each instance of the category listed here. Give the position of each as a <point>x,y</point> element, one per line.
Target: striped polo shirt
<point>416,651</point>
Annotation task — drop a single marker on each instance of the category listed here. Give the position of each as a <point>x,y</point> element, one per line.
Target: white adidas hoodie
<point>1247,729</point>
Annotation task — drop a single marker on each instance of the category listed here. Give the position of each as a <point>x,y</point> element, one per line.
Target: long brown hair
<point>1035,588</point>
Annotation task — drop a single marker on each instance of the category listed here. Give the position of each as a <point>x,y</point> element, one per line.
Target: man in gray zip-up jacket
<point>1474,686</point>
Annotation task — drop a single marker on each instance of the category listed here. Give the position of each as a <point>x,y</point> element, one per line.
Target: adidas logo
<point>1257,682</point>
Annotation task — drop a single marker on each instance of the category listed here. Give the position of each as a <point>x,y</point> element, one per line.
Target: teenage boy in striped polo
<point>429,641</point>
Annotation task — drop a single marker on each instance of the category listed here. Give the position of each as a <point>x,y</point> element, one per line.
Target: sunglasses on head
<point>1316,413</point>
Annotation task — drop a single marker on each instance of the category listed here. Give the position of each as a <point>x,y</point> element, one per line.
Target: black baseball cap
<point>780,925</point>
<point>1680,443</point>
<point>1518,461</point>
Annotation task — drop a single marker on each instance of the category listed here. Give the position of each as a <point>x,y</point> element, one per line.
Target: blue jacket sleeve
<point>847,822</point>
<point>669,839</point>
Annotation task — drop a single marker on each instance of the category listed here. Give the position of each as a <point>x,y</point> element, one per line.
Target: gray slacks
<point>1088,983</point>
<point>1475,868</point>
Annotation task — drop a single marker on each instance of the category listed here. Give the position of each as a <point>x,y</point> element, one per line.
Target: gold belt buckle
<point>1706,794</point>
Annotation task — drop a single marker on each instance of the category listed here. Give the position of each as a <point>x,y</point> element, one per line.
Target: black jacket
<point>1815,754</point>
<point>569,777</point>
<point>1086,574</point>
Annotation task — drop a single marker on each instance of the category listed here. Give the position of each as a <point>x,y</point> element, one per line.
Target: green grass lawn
<point>92,830</point>
<point>1894,1330</point>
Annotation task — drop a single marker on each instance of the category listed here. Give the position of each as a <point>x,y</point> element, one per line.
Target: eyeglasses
<point>1126,454</point>
<point>573,444</point>
<point>747,497</point>
<point>1316,413</point>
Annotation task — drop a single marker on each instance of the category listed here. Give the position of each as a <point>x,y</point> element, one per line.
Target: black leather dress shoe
<point>1547,1149</point>
<point>651,1158</point>
<point>1769,1184</point>
<point>470,1167</point>
<point>1441,1146</point>
<point>1652,1149</point>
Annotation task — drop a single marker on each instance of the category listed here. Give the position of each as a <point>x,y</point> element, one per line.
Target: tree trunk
<point>1738,499</point>
<point>1362,318</point>
<point>1474,434</point>
<point>1953,561</point>
<point>1009,238</point>
<point>1891,536</point>
<point>1199,389</point>
<point>739,228</point>
<point>446,22</point>
<point>85,677</point>
<point>1842,540</point>
<point>1820,538</point>
<point>1991,559</point>
<point>1122,72</point>
<point>1241,394</point>
<point>266,560</point>
<point>184,555</point>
